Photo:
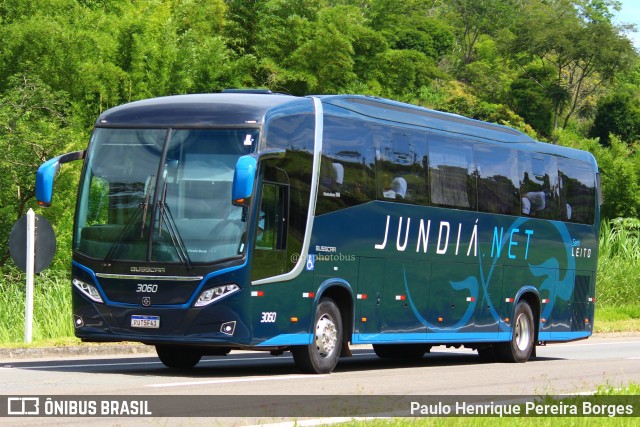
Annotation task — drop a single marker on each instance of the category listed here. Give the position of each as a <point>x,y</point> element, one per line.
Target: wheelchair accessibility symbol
<point>311,262</point>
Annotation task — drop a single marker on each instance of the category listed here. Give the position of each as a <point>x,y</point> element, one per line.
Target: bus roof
<point>206,110</point>
<point>414,115</point>
<point>388,110</point>
<point>249,108</point>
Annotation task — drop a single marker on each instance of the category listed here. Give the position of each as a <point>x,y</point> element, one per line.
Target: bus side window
<point>539,186</point>
<point>271,234</point>
<point>274,210</point>
<point>402,165</point>
<point>452,173</point>
<point>346,170</point>
<point>270,255</point>
<point>295,134</point>
<point>577,191</point>
<point>498,183</point>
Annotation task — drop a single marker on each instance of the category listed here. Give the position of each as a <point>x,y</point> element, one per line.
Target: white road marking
<point>92,365</point>
<point>591,344</point>
<point>250,359</point>
<point>236,380</point>
<point>84,365</point>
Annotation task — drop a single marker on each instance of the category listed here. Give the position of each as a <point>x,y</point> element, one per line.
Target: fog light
<point>77,321</point>
<point>214,294</point>
<point>228,328</point>
<point>88,290</point>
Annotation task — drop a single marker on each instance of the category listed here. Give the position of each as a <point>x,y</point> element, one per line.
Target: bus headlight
<point>214,294</point>
<point>88,290</point>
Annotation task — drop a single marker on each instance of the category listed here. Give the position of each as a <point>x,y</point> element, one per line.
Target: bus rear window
<point>539,186</point>
<point>577,191</point>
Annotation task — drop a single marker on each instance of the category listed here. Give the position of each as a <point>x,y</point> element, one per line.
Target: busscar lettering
<point>457,238</point>
<point>147,269</point>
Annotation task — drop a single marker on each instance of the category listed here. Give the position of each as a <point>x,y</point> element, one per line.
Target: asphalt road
<point>578,367</point>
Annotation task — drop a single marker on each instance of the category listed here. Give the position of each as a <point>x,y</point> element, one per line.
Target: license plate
<point>145,321</point>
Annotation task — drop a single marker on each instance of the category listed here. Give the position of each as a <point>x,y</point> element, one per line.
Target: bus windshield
<point>162,195</point>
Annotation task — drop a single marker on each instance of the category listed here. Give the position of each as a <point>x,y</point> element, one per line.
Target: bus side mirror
<point>245,174</point>
<point>243,179</point>
<point>46,175</point>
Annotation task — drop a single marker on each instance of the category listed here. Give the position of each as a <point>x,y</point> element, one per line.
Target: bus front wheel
<point>178,357</point>
<point>321,356</point>
<point>520,347</point>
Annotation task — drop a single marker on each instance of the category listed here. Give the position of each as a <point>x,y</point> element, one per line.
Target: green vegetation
<point>52,308</point>
<point>561,70</point>
<point>618,273</point>
<point>495,421</point>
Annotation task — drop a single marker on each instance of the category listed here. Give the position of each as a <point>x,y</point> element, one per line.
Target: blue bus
<point>247,220</point>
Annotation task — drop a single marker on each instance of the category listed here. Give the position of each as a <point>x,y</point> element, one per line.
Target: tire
<point>400,351</point>
<point>321,356</point>
<point>520,348</point>
<point>178,357</point>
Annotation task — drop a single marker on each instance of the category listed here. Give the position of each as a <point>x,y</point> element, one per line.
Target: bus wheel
<point>520,347</point>
<point>178,357</point>
<point>321,356</point>
<point>400,351</point>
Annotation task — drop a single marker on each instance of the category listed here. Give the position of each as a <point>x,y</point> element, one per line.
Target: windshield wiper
<point>174,234</point>
<point>147,196</point>
<point>140,212</point>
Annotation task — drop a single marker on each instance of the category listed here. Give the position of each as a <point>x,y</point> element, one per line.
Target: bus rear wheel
<point>520,348</point>
<point>178,357</point>
<point>321,356</point>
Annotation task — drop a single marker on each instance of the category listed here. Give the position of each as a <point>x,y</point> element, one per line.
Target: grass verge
<point>624,318</point>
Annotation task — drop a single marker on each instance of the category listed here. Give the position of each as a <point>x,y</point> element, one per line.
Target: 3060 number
<point>268,317</point>
<point>147,288</point>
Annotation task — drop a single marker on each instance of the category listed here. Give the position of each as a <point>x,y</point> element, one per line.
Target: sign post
<point>31,257</point>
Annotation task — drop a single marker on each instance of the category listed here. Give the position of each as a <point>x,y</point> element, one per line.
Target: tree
<point>489,75</point>
<point>242,25</point>
<point>582,50</point>
<point>411,25</point>
<point>618,114</point>
<point>532,98</point>
<point>33,128</point>
<point>476,17</point>
<point>403,72</point>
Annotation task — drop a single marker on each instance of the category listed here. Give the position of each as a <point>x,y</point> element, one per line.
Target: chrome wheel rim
<point>326,336</point>
<point>522,331</point>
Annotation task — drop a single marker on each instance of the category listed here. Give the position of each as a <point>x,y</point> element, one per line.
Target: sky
<point>630,14</point>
